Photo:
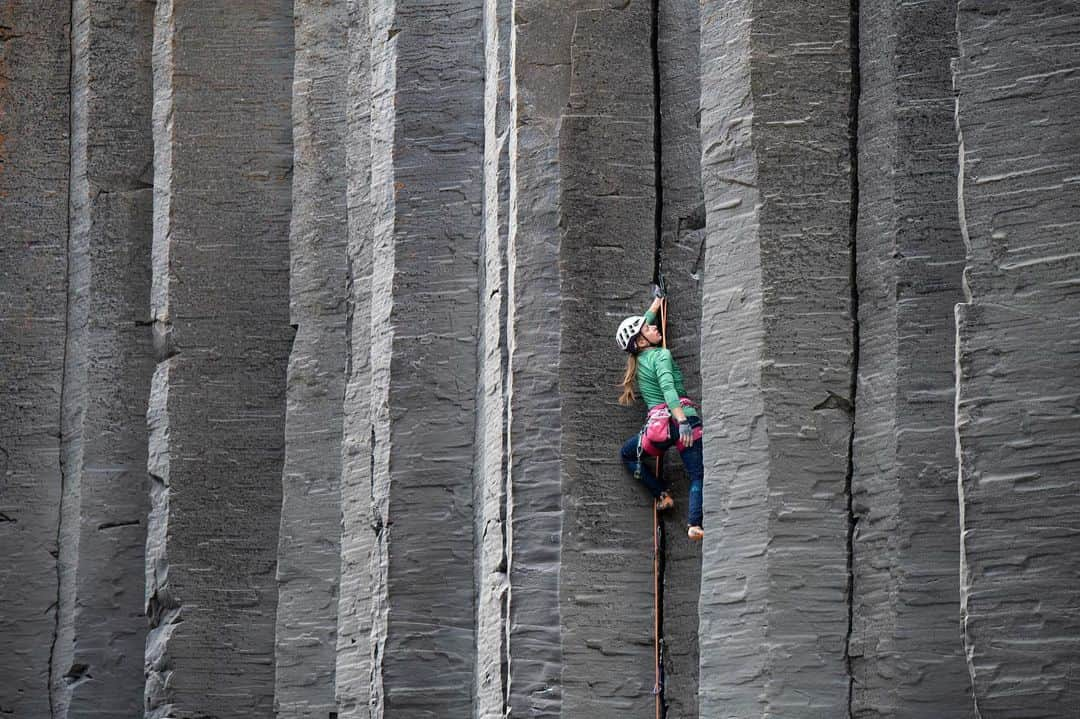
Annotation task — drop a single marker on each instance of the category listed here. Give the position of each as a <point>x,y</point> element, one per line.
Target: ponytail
<point>627,397</point>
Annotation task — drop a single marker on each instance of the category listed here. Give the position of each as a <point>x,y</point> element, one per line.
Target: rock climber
<point>672,419</point>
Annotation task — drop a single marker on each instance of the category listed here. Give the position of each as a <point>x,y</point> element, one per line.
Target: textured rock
<point>1017,360</point>
<point>109,359</point>
<point>683,238</point>
<point>427,145</point>
<point>906,654</point>
<point>34,171</point>
<point>222,131</point>
<point>309,551</point>
<point>777,343</point>
<point>353,678</point>
<point>540,85</point>
<point>490,479</point>
<point>606,260</point>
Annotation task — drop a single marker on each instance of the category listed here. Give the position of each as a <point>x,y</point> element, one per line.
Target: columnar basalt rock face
<point>109,357</point>
<point>34,171</point>
<point>540,72</point>
<point>906,653</point>
<point>1017,360</point>
<point>427,144</point>
<point>352,676</point>
<point>607,208</point>
<point>777,331</point>
<point>309,549</point>
<point>315,350</point>
<point>223,154</point>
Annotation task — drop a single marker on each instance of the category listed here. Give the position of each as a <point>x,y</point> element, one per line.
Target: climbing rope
<point>658,546</point>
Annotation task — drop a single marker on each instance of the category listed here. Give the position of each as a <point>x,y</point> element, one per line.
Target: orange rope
<point>657,688</point>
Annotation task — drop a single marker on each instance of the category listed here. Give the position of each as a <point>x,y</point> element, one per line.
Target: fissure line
<point>853,151</point>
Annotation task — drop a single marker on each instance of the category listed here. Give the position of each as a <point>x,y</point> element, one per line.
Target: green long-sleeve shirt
<point>658,377</point>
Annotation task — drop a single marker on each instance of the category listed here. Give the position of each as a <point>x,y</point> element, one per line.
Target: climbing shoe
<point>665,502</point>
<point>695,533</point>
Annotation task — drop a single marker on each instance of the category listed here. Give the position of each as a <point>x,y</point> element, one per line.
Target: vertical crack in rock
<point>965,574</point>
<point>658,142</point>
<point>853,153</point>
<point>658,238</point>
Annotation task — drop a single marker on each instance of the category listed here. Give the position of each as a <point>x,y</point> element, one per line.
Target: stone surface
<point>383,249</point>
<point>606,256</point>
<point>353,677</point>
<point>35,68</point>
<point>427,158</point>
<point>220,300</point>
<point>491,476</point>
<point>683,238</point>
<point>540,83</point>
<point>777,357</point>
<point>1017,359</point>
<point>109,358</point>
<point>906,653</point>
<point>309,549</point>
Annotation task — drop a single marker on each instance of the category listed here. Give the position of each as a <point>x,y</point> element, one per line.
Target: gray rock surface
<point>109,361</point>
<point>353,677</point>
<point>34,170</point>
<point>683,238</point>
<point>906,653</point>
<point>540,82</point>
<point>223,153</point>
<point>1017,360</point>
<point>490,466</point>
<point>606,256</point>
<point>427,158</point>
<point>309,549</point>
<point>384,246</point>
<point>777,358</point>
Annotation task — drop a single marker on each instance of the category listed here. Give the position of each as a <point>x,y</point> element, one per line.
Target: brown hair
<point>627,397</point>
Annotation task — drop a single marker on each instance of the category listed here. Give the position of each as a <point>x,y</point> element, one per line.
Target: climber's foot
<point>664,503</point>
<point>695,533</point>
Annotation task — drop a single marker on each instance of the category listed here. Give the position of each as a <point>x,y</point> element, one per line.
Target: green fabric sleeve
<point>665,376</point>
<point>650,317</point>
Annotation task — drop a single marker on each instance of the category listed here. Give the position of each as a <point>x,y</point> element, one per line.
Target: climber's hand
<point>686,435</point>
<point>658,291</point>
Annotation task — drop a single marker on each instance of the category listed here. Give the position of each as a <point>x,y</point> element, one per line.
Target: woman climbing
<point>672,419</point>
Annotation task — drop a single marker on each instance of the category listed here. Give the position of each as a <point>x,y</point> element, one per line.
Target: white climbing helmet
<point>628,330</point>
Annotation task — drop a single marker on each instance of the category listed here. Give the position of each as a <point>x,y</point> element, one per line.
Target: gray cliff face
<point>309,542</point>
<point>308,382</point>
<point>905,657</point>
<point>1017,360</point>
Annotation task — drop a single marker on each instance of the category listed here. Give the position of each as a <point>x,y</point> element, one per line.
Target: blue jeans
<point>693,460</point>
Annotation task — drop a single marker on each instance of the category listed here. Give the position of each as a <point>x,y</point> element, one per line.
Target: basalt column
<point>359,530</point>
<point>538,87</point>
<point>607,196</point>
<point>426,193</point>
<point>905,649</point>
<point>109,359</point>
<point>309,561</point>
<point>490,484</point>
<point>35,68</point>
<point>777,357</point>
<point>220,301</point>
<point>1017,357</point>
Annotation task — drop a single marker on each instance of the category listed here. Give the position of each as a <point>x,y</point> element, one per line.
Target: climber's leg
<point>694,461</point>
<point>639,467</point>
